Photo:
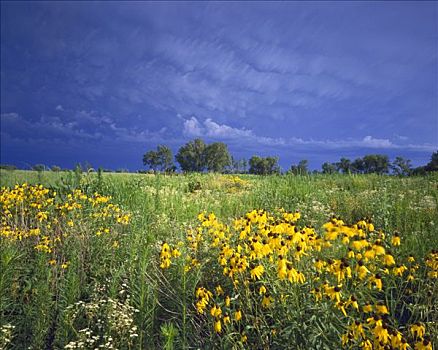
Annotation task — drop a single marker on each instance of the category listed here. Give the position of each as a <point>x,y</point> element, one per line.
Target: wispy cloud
<point>211,129</point>
<point>286,76</point>
<point>86,126</point>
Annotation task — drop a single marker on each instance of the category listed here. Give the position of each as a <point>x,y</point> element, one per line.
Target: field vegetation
<point>155,261</point>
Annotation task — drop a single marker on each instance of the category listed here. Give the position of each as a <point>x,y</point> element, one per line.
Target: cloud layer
<point>332,78</point>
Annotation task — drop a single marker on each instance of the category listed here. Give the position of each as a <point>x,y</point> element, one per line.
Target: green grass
<point>163,208</point>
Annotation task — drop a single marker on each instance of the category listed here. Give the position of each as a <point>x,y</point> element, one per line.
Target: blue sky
<point>104,82</point>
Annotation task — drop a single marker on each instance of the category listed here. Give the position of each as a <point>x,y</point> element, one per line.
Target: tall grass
<point>40,303</point>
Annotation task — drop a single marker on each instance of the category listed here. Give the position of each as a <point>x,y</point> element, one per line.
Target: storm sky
<point>104,82</point>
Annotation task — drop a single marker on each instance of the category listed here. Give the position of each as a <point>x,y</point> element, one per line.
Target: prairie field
<point>211,261</point>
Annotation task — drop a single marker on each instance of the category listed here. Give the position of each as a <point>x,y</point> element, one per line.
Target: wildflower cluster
<point>432,264</point>
<point>40,218</point>
<point>102,323</point>
<point>6,335</point>
<point>166,254</point>
<point>263,260</point>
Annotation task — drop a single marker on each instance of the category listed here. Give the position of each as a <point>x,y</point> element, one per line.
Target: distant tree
<point>8,167</point>
<point>300,168</point>
<point>238,166</point>
<point>55,168</point>
<point>401,166</point>
<point>216,157</point>
<point>263,166</point>
<point>357,166</point>
<point>191,156</point>
<point>161,159</point>
<point>39,167</point>
<point>344,165</point>
<point>433,164</point>
<point>329,168</point>
<point>376,163</point>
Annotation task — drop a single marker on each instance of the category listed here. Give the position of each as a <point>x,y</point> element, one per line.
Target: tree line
<point>197,156</point>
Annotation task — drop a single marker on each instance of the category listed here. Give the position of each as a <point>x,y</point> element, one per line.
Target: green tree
<point>56,168</point>
<point>329,168</point>
<point>263,166</point>
<point>401,166</point>
<point>217,157</point>
<point>39,167</point>
<point>161,159</point>
<point>344,165</point>
<point>8,167</point>
<point>191,156</point>
<point>357,166</point>
<point>376,163</point>
<point>433,164</point>
<point>300,168</point>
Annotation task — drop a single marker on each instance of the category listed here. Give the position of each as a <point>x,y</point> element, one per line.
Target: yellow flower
<point>395,241</point>
<point>262,290</point>
<point>216,311</point>
<point>366,345</point>
<point>267,300</point>
<point>257,272</point>
<point>238,315</point>
<point>218,326</point>
<point>388,260</point>
<point>219,290</point>
<point>367,308</point>
<point>381,309</point>
<point>417,330</point>
<point>423,345</point>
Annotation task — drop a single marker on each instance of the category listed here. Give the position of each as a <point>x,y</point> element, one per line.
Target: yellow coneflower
<point>388,260</point>
<point>417,330</point>
<point>381,309</point>
<point>395,240</point>
<point>267,300</point>
<point>426,344</point>
<point>367,308</point>
<point>218,326</point>
<point>238,315</point>
<point>257,272</point>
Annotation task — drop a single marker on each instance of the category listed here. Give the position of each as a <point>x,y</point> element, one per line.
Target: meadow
<point>211,261</point>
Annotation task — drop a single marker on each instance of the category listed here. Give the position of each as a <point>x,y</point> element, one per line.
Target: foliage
<point>401,166</point>
<point>217,157</point>
<point>433,164</point>
<point>329,168</point>
<point>8,167</point>
<point>300,168</point>
<point>55,168</point>
<point>161,159</point>
<point>344,165</point>
<point>263,166</point>
<point>375,163</point>
<point>191,156</point>
<point>39,167</point>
